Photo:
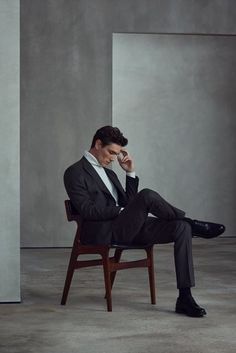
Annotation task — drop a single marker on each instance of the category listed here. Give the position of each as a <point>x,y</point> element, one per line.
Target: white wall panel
<point>174,98</point>
<point>9,152</point>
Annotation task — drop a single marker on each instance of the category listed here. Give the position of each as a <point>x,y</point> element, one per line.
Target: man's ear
<point>98,144</point>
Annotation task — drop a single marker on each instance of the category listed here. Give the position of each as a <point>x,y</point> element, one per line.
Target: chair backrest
<point>71,215</point>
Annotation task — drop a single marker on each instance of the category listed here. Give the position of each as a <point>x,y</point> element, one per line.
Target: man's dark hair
<point>108,135</point>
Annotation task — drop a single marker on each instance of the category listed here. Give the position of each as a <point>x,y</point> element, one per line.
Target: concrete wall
<point>174,97</point>
<point>65,96</point>
<point>66,61</point>
<point>9,152</point>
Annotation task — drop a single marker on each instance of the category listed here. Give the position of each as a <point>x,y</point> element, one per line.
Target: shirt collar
<point>91,159</point>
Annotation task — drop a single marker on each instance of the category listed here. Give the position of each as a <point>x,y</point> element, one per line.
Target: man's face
<point>106,154</point>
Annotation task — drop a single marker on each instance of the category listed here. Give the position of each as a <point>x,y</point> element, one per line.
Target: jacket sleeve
<point>131,187</point>
<point>89,207</point>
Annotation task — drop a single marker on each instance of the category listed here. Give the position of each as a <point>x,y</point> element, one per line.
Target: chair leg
<point>151,274</point>
<point>107,279</point>
<point>70,272</point>
<point>117,257</point>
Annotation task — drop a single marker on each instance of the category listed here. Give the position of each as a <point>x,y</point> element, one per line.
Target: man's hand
<point>125,160</point>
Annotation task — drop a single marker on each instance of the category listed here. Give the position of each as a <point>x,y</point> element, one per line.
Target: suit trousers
<point>134,226</point>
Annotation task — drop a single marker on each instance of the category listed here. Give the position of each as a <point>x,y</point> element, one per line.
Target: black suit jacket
<point>93,201</point>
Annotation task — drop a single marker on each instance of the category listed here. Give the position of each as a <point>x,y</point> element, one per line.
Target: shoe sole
<point>181,311</point>
<point>206,236</point>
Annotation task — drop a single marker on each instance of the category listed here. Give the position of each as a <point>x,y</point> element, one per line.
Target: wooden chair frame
<point>111,264</point>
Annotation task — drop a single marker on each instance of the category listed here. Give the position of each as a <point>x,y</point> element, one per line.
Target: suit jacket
<point>93,201</point>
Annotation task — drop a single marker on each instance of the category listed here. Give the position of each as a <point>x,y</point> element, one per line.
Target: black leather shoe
<point>206,229</point>
<point>189,307</point>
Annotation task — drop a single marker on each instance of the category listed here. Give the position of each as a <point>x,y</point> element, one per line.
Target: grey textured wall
<point>9,152</point>
<point>174,96</point>
<point>66,60</point>
<point>65,96</point>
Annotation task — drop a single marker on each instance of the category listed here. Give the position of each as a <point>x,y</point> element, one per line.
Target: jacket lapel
<point>112,176</point>
<point>89,169</point>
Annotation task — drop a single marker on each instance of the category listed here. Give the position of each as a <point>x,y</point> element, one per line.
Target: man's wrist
<point>131,174</point>
<point>121,209</point>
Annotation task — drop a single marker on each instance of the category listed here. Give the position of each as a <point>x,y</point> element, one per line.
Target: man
<point>112,215</point>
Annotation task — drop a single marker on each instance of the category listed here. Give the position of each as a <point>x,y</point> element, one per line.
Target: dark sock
<point>184,292</point>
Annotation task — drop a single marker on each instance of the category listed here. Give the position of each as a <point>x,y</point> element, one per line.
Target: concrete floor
<point>40,325</point>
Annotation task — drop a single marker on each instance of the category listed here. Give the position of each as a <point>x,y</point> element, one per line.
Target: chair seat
<point>131,247</point>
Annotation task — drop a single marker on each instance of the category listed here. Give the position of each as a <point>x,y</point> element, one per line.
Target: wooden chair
<point>111,264</point>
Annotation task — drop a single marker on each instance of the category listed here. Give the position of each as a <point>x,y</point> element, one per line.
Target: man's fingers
<point>124,160</point>
<point>124,152</point>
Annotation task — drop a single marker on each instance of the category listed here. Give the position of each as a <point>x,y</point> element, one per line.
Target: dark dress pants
<point>134,226</point>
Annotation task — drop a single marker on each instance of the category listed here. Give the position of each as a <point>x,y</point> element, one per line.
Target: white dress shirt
<point>103,175</point>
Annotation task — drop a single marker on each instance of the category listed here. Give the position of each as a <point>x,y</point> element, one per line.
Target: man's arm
<point>131,187</point>
<point>127,163</point>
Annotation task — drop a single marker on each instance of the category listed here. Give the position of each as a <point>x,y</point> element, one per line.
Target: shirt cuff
<point>131,174</point>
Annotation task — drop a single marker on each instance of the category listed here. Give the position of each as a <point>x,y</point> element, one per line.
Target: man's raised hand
<point>125,160</point>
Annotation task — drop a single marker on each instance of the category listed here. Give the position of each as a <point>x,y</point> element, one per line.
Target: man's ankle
<point>185,292</point>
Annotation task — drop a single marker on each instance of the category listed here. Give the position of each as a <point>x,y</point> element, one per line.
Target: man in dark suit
<point>112,215</point>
